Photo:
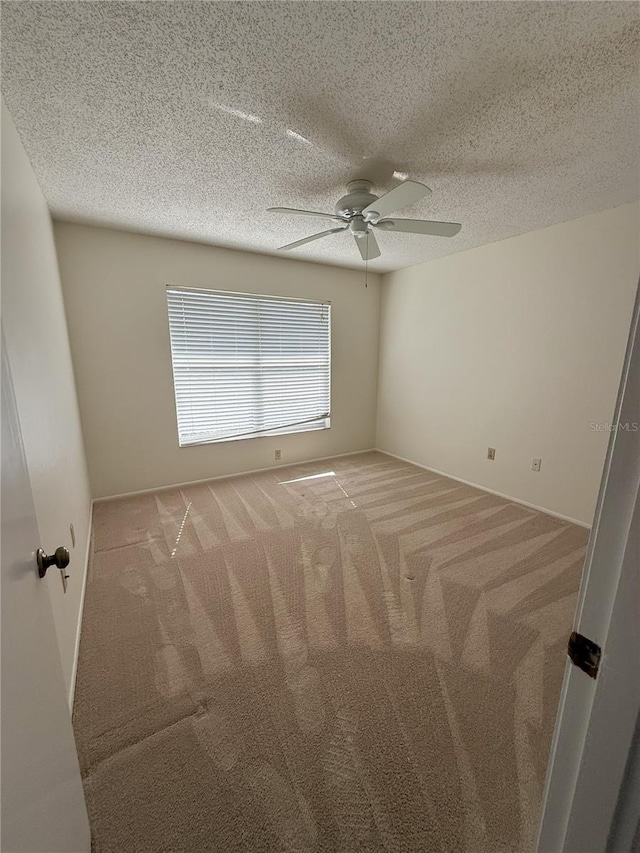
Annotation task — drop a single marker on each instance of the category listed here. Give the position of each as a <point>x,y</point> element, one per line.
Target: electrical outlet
<point>278,455</point>
<point>73,535</point>
<point>491,453</point>
<point>536,464</point>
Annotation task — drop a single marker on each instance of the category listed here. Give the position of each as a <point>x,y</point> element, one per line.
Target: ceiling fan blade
<point>309,239</point>
<point>304,213</point>
<point>420,226</point>
<point>405,193</point>
<point>368,246</point>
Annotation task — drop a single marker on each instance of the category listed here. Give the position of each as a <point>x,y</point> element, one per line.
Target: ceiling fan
<point>360,211</point>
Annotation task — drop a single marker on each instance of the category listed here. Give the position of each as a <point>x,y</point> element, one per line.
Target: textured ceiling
<point>189,119</point>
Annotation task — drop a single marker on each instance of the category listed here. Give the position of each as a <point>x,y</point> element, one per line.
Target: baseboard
<point>76,651</point>
<point>491,491</point>
<point>235,474</point>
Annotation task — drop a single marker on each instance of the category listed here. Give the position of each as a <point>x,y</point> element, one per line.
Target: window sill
<point>326,424</point>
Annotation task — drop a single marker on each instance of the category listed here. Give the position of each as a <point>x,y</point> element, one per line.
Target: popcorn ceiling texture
<point>173,118</point>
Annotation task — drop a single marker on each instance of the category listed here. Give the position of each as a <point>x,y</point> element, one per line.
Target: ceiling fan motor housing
<point>352,204</point>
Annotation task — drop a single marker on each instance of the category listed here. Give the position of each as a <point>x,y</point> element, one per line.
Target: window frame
<point>322,424</point>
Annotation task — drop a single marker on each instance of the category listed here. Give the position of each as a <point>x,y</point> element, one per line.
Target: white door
<point>43,809</point>
<point>589,803</point>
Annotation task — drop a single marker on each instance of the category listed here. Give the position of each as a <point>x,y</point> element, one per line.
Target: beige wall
<point>35,330</point>
<point>114,285</point>
<point>516,345</point>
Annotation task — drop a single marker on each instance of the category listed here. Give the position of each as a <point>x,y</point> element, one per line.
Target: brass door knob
<point>60,559</point>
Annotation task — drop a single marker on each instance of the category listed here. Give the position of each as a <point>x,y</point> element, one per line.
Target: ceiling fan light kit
<point>360,211</point>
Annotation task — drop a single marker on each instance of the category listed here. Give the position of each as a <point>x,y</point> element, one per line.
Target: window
<point>246,365</point>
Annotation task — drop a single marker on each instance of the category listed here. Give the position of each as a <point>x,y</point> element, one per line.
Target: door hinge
<point>584,653</point>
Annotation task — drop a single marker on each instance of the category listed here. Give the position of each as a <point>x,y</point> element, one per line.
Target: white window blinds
<point>245,366</point>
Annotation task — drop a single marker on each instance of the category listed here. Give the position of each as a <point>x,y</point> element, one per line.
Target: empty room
<point>320,427</point>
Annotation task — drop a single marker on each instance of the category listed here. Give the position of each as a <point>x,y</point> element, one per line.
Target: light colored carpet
<point>353,655</point>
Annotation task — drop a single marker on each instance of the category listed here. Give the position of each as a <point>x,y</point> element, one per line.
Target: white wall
<point>516,345</point>
<point>35,329</point>
<point>114,285</point>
